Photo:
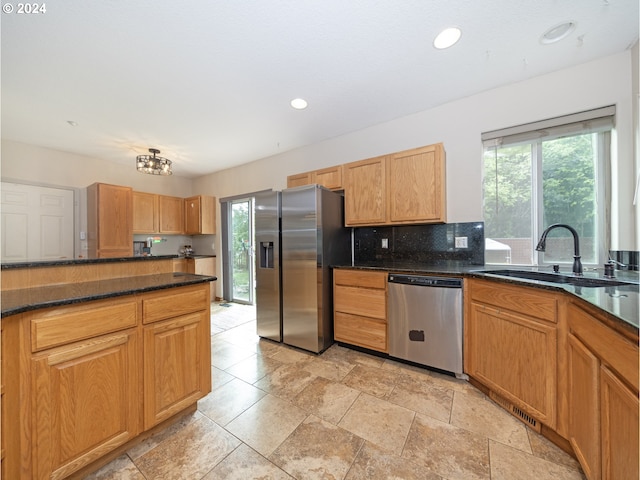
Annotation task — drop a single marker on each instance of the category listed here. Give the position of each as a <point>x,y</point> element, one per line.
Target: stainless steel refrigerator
<point>312,238</point>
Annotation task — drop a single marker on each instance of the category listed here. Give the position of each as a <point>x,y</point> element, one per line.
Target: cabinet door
<point>330,178</point>
<point>584,406</point>
<point>207,266</point>
<point>177,365</point>
<point>417,186</point>
<point>365,192</point>
<point>145,213</point>
<point>192,215</point>
<point>171,210</point>
<point>87,402</point>
<point>515,356</point>
<point>110,221</point>
<point>361,331</point>
<point>299,179</point>
<point>619,420</point>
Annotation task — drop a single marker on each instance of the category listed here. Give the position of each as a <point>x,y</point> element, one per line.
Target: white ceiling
<point>208,82</point>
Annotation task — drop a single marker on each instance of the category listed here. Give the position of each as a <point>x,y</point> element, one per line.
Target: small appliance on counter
<point>138,248</point>
<point>187,251</point>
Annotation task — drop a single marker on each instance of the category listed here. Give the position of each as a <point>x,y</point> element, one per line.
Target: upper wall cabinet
<point>109,221</point>
<point>171,212</point>
<point>145,213</point>
<point>330,178</point>
<point>200,215</point>
<point>402,188</point>
<point>416,185</point>
<point>365,199</point>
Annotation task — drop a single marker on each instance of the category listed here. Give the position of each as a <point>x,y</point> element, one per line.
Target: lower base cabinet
<point>84,380</point>
<point>86,402</point>
<point>603,398</point>
<point>360,309</point>
<point>176,372</point>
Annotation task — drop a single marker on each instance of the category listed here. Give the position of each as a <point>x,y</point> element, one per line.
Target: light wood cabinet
<point>171,214</point>
<point>365,193</point>
<point>145,213</point>
<point>85,380</point>
<point>511,345</point>
<point>109,221</point>
<point>202,266</point>
<point>603,397</point>
<point>360,308</point>
<point>299,179</point>
<point>200,215</point>
<point>416,185</point>
<point>330,178</point>
<point>87,402</point>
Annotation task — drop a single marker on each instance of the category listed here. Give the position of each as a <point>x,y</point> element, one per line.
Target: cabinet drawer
<point>58,326</point>
<point>174,302</point>
<point>523,300</point>
<point>360,301</point>
<point>362,331</point>
<point>360,278</point>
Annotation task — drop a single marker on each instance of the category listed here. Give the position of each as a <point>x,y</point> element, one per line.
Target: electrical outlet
<point>461,242</point>
<point>385,243</point>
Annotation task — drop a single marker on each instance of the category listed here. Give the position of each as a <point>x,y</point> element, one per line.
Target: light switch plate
<point>461,242</point>
<point>385,243</point>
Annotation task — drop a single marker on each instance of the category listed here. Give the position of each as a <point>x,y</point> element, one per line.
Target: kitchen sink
<point>558,278</point>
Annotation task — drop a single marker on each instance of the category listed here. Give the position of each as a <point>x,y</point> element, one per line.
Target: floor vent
<point>515,411</point>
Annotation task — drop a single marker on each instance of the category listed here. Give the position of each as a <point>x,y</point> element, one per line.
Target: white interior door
<point>37,223</point>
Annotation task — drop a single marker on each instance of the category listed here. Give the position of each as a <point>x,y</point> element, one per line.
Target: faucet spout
<point>577,264</point>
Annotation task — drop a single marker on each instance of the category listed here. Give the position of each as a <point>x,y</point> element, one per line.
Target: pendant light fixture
<point>152,164</point>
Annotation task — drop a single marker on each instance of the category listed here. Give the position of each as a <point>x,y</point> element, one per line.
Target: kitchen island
<point>96,356</point>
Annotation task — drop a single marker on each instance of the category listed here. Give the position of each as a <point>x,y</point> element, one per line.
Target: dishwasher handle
<point>422,281</point>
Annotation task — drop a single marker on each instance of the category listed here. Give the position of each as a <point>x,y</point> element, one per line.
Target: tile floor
<point>281,413</point>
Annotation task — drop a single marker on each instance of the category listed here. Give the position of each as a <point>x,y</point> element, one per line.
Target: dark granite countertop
<point>622,301</point>
<point>24,300</point>
<point>83,261</point>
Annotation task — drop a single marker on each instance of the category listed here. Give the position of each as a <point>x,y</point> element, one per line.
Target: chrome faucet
<point>577,264</point>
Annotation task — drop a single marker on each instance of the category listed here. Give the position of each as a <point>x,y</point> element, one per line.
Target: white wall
<point>458,125</point>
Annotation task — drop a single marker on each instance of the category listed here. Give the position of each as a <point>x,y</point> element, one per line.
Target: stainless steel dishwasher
<point>425,321</point>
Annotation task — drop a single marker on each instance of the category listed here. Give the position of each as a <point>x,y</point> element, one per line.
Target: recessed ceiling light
<point>299,103</point>
<point>557,33</point>
<point>447,38</point>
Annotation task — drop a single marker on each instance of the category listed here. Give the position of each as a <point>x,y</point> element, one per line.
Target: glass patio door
<point>242,250</point>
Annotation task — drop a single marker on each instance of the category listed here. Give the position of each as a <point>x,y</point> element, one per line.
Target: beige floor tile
<point>511,464</point>
<point>290,355</point>
<point>425,399</point>
<point>159,437</point>
<point>487,418</point>
<point>326,399</point>
<point>227,402</point>
<point>351,357</point>
<point>225,354</point>
<point>266,424</point>
<point>245,464</point>
<point>317,450</point>
<point>219,378</point>
<point>286,381</point>
<point>254,368</point>
<point>372,380</point>
<point>379,421</point>
<point>450,451</point>
<point>546,450</point>
<point>373,463</point>
<point>189,454</point>
<point>122,468</point>
<point>326,368</point>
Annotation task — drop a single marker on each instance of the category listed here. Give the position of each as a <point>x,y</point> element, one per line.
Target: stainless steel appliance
<point>312,238</point>
<point>425,321</point>
<point>267,271</point>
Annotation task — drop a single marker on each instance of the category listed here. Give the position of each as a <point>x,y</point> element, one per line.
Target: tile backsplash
<point>425,244</point>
